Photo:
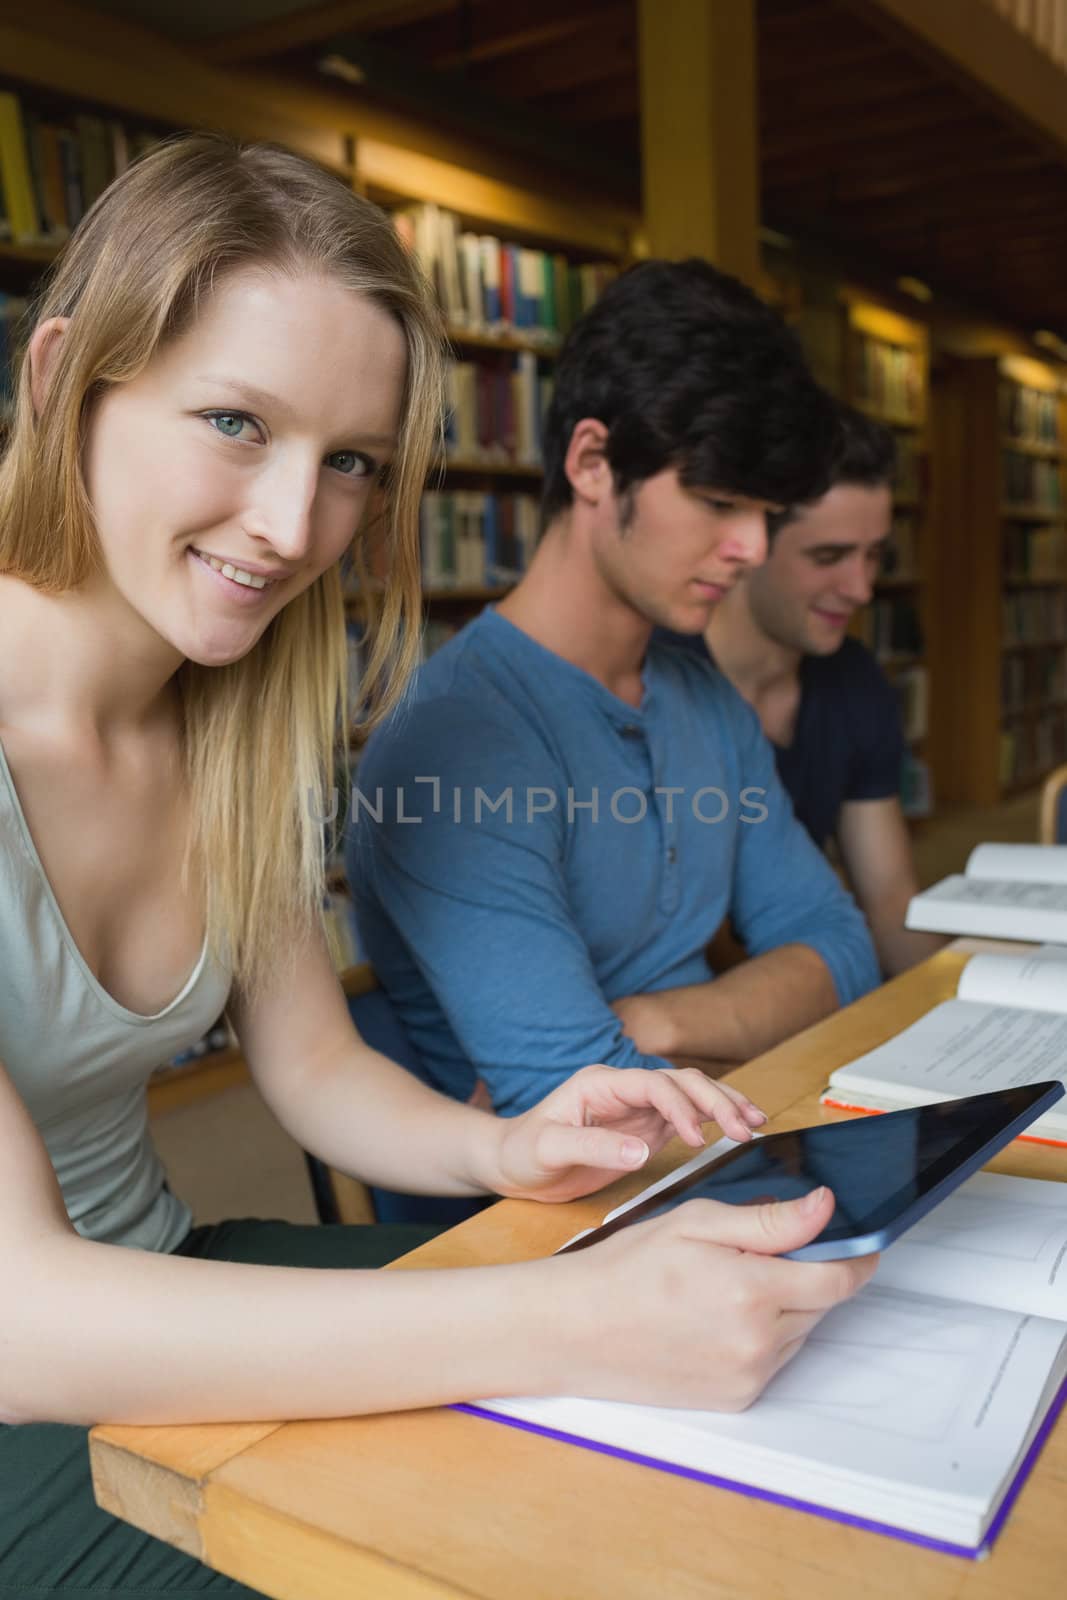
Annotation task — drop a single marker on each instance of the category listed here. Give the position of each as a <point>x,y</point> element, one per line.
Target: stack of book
<point>910,688</point>
<point>909,468</point>
<point>487,285</point>
<point>12,310</point>
<point>1034,550</point>
<point>476,540</point>
<point>890,627</point>
<point>1029,481</point>
<point>1035,616</point>
<point>888,378</point>
<point>53,168</point>
<point>495,413</point>
<point>1029,415</point>
<point>901,558</point>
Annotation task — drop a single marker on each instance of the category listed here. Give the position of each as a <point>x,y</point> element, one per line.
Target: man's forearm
<point>900,948</point>
<point>747,1010</point>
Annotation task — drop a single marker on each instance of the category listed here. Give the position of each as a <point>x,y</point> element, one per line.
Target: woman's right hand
<point>695,1308</point>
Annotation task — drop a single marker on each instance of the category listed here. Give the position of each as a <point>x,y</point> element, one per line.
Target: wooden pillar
<point>699,131</point>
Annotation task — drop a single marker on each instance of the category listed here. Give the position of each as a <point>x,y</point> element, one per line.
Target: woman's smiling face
<point>236,468</point>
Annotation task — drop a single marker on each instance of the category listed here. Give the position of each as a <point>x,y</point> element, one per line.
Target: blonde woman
<point>232,356</point>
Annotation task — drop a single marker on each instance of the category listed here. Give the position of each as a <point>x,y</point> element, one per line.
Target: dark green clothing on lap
<point>55,1542</point>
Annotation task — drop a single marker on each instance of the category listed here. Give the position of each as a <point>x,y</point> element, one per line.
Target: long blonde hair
<point>260,735</point>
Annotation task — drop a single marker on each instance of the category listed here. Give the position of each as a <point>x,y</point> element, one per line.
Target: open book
<point>1008,1026</point>
<point>1008,891</point>
<point>915,1409</point>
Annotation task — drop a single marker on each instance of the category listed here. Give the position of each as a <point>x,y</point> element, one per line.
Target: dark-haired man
<point>553,827</point>
<point>822,700</point>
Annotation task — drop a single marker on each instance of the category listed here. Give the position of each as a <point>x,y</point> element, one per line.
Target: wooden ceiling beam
<point>778,68</point>
<point>811,98</point>
<point>799,26</point>
<point>311,25</point>
<point>609,101</point>
<point>918,184</point>
<point>900,157</point>
<point>464,34</point>
<point>594,51</point>
<point>521,42</point>
<point>526,25</point>
<point>875,130</point>
<point>987,57</point>
<point>959,233</point>
<point>968,205</point>
<point>908,223</point>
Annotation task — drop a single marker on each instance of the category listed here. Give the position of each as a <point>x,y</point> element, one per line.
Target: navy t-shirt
<point>848,743</point>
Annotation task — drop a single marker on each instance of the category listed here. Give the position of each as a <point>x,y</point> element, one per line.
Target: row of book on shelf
<point>1033,678</point>
<point>1035,550</point>
<point>487,285</point>
<point>887,378</point>
<point>1029,415</point>
<point>901,558</point>
<point>909,467</point>
<point>13,308</point>
<point>911,688</point>
<point>495,412</point>
<point>1034,616</point>
<point>52,167</point>
<point>472,539</point>
<point>1028,750</point>
<point>890,627</point>
<point>1030,481</point>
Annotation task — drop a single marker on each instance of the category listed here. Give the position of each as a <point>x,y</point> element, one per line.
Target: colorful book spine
<point>16,182</point>
<point>486,285</point>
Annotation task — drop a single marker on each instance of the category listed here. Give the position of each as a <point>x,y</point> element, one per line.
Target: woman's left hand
<point>605,1121</point>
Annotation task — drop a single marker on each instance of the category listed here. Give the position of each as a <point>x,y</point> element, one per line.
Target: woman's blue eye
<point>350,463</point>
<point>228,423</point>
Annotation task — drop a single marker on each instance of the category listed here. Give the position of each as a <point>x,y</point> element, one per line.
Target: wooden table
<point>434,1504</point>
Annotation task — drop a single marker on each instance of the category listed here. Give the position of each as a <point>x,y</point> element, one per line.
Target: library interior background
<point>890,174</point>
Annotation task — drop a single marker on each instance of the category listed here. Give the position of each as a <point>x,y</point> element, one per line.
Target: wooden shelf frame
<point>507,343</point>
<point>394,176</point>
<point>1031,447</point>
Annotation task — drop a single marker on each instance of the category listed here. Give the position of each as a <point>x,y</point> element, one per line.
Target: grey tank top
<point>80,1061</point>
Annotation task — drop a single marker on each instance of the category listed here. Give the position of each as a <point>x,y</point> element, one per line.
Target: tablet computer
<point>885,1171</point>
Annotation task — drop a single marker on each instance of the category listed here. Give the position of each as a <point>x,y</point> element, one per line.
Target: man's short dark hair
<point>865,451</point>
<point>687,368</point>
<point>864,455</point>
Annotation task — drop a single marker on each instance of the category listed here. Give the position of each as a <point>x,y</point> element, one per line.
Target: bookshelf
<point>886,374</point>
<point>1002,425</point>
<point>1033,725</point>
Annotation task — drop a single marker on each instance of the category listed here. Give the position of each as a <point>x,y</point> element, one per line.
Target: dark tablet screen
<point>877,1166</point>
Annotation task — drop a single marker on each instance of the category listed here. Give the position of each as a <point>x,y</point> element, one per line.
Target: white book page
<point>997,908</point>
<point>997,1241</point>
<point>1037,980</point>
<point>899,1406</point>
<point>1023,894</point>
<point>1025,863</point>
<point>961,1048</point>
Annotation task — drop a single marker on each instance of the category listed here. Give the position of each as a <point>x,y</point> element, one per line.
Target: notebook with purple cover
<point>916,1409</point>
